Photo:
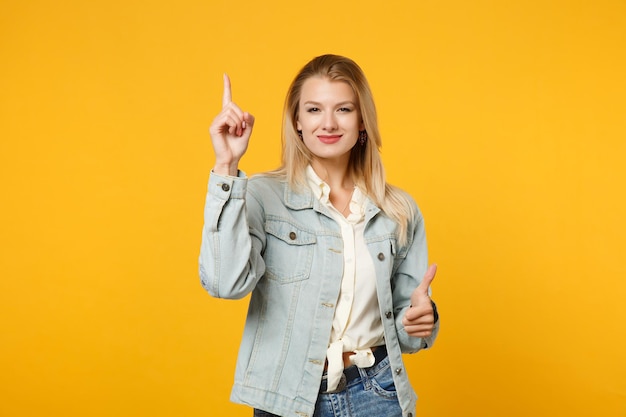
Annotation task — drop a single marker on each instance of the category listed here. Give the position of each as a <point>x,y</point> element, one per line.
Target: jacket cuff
<point>225,187</point>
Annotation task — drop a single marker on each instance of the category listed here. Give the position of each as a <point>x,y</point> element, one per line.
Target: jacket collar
<point>303,198</point>
<point>299,199</point>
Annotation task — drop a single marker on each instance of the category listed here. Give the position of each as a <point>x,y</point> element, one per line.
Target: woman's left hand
<point>419,320</point>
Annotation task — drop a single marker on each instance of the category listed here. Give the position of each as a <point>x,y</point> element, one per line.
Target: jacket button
<point>381,256</point>
<point>388,314</point>
<point>398,371</point>
<point>292,235</point>
<point>225,187</point>
<point>409,415</point>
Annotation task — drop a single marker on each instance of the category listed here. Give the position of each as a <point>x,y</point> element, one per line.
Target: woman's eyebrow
<point>337,104</point>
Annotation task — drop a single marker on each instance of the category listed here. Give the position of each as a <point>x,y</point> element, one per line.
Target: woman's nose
<point>329,122</point>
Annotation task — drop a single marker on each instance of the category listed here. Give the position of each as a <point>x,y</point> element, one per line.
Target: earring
<point>362,137</point>
<point>300,135</point>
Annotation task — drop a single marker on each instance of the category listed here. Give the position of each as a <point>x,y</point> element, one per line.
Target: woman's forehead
<point>324,89</point>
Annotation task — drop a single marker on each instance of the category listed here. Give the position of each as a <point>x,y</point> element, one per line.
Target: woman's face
<point>329,119</point>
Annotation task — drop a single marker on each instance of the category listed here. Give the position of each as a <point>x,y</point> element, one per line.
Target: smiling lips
<point>329,139</point>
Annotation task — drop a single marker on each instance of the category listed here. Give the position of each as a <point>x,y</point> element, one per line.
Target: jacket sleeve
<point>230,254</point>
<point>407,276</point>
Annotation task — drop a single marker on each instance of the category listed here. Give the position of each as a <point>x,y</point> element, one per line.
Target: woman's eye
<point>345,109</point>
<point>312,109</point>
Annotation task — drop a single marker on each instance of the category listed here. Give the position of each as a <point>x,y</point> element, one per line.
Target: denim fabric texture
<point>373,394</point>
<point>283,246</point>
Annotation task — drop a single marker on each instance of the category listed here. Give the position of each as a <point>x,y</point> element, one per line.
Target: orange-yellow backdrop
<point>506,120</point>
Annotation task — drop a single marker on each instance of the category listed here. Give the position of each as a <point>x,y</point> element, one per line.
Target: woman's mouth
<point>329,139</point>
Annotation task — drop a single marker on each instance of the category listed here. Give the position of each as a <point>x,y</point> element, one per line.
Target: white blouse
<point>357,326</point>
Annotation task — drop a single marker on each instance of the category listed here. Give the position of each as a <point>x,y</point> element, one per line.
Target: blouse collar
<point>321,191</point>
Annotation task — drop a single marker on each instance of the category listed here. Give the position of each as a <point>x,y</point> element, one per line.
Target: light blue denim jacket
<point>282,245</point>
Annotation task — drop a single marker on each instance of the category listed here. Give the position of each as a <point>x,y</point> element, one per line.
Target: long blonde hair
<point>365,164</point>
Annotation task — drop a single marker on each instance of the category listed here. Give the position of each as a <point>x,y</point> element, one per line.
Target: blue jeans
<point>373,394</point>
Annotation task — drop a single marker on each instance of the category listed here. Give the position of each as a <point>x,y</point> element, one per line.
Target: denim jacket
<point>262,237</point>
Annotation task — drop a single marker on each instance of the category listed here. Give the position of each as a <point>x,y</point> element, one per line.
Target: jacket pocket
<point>288,252</point>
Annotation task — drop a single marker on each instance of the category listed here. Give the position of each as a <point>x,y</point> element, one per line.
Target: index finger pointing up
<point>227,97</point>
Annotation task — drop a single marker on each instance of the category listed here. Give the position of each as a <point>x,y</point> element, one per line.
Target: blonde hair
<point>365,164</point>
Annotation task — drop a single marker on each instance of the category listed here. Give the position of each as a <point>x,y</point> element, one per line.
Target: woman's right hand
<point>230,133</point>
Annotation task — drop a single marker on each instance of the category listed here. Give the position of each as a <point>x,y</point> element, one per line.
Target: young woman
<point>335,258</point>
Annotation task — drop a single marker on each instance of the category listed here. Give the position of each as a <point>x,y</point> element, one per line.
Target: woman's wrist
<point>226,169</point>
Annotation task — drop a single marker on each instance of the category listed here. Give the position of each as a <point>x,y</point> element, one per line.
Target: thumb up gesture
<point>419,320</point>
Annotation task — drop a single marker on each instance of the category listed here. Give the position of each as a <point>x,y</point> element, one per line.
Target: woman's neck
<point>336,175</point>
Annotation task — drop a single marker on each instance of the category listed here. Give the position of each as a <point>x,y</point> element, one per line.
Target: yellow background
<point>505,119</point>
